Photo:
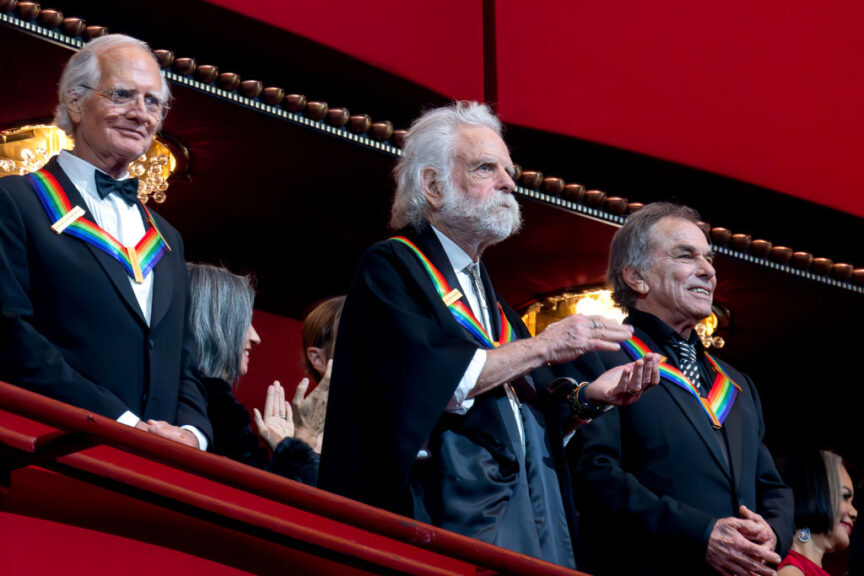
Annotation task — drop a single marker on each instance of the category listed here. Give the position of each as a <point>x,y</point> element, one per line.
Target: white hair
<point>431,143</point>
<point>84,69</point>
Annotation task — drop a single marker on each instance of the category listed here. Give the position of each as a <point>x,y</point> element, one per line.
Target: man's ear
<point>432,188</point>
<point>633,278</point>
<point>318,358</point>
<point>73,108</point>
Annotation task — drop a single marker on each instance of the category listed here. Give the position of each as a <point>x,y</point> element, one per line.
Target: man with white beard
<point>438,408</point>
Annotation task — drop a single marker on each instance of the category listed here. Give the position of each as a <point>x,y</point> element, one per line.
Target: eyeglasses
<point>124,97</point>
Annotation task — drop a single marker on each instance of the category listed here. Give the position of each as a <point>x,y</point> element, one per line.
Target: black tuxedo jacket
<point>652,477</point>
<point>399,358</point>
<point>71,328</point>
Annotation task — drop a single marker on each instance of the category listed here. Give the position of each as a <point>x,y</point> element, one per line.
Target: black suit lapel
<point>112,268</point>
<point>732,428</point>
<point>697,417</point>
<point>163,289</point>
<point>693,411</point>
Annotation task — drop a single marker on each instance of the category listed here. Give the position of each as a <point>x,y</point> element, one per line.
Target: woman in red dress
<point>824,514</point>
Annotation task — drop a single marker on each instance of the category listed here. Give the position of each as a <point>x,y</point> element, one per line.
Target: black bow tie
<point>125,189</point>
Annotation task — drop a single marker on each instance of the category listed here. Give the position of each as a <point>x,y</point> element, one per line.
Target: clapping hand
<point>309,411</point>
<point>277,423</point>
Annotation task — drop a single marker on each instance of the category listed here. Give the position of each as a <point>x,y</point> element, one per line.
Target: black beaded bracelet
<point>580,407</point>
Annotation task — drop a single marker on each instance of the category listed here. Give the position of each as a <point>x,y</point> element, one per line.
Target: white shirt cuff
<point>460,403</point>
<point>202,440</point>
<point>129,419</point>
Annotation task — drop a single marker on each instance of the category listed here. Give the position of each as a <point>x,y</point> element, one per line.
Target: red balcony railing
<point>71,479</point>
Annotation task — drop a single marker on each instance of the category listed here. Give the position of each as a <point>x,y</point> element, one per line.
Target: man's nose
<point>507,182</point>
<point>139,107</point>
<point>706,267</point>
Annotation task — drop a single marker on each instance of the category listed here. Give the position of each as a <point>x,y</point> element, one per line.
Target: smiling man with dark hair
<point>681,478</point>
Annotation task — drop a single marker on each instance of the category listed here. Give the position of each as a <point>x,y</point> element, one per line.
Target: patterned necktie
<point>125,189</point>
<point>473,270</point>
<point>688,363</point>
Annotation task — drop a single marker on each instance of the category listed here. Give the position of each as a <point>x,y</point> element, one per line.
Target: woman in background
<point>824,514</point>
<point>319,338</point>
<point>222,322</point>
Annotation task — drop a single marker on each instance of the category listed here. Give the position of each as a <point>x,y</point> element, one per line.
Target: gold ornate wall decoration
<point>153,170</point>
<point>27,148</point>
<point>538,315</point>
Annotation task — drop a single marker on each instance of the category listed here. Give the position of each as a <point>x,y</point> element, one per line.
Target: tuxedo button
<point>144,399</point>
<point>151,343</point>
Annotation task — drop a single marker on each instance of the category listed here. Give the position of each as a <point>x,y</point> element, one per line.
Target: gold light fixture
<point>539,315</point>
<point>27,148</point>
<point>153,170</point>
<point>706,329</point>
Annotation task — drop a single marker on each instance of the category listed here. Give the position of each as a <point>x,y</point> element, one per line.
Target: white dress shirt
<point>114,216</point>
<point>459,402</point>
<point>124,223</point>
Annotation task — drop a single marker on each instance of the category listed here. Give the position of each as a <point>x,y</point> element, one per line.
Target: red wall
<point>278,357</point>
<point>768,92</point>
<point>435,44</point>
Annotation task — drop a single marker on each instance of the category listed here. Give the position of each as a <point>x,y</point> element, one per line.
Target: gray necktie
<point>688,363</point>
<point>473,271</point>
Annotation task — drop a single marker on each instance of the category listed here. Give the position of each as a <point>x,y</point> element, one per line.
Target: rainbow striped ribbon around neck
<point>137,260</point>
<point>720,398</point>
<point>461,313</point>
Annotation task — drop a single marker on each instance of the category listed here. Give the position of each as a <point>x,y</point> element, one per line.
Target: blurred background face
<point>252,339</point>
<point>319,356</point>
<point>846,513</point>
<point>319,336</point>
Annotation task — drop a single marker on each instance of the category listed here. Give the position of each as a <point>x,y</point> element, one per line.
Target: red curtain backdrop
<point>767,92</point>
<point>436,44</point>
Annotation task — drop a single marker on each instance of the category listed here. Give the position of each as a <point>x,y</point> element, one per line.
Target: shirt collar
<point>459,259</point>
<point>81,173</point>
<point>658,330</point>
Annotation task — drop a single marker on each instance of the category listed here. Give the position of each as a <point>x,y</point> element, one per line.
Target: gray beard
<point>491,221</point>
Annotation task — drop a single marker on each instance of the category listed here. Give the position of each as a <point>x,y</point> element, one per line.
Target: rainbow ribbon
<point>720,398</point>
<point>138,261</point>
<point>461,313</point>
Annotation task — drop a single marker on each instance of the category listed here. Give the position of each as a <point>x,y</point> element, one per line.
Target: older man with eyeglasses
<point>93,289</point>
